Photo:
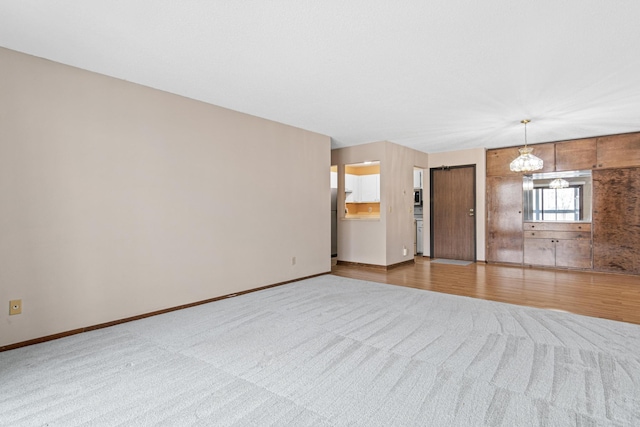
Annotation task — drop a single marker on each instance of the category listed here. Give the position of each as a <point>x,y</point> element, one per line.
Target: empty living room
<point>319,213</point>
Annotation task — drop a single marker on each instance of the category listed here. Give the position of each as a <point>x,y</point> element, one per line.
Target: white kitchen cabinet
<point>417,178</point>
<point>362,188</point>
<point>351,187</point>
<point>369,188</point>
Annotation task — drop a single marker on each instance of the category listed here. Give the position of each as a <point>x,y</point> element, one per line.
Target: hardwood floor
<point>609,296</point>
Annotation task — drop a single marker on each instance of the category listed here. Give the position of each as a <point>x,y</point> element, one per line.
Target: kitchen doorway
<point>453,212</point>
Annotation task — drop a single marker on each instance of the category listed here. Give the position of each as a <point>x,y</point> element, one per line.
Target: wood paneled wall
<point>616,220</point>
<point>615,162</point>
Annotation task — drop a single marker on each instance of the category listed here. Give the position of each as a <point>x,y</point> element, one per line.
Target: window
<point>563,204</point>
<point>543,202</point>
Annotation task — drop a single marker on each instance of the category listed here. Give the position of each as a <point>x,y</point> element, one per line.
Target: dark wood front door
<point>453,210</point>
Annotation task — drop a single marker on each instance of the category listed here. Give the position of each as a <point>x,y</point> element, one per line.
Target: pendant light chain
<point>525,121</point>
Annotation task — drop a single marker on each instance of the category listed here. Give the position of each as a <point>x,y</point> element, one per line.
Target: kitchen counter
<point>366,216</point>
<point>362,210</point>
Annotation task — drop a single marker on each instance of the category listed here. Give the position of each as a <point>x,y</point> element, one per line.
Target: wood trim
<point>400,264</point>
<point>142,316</point>
<point>375,266</point>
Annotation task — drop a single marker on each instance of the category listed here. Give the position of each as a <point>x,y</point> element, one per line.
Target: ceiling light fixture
<point>526,162</point>
<point>558,183</point>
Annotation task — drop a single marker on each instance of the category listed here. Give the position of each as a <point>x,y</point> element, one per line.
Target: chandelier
<point>559,183</point>
<point>526,162</point>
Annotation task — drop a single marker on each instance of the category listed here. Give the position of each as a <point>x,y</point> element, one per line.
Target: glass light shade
<point>559,183</point>
<point>526,162</point>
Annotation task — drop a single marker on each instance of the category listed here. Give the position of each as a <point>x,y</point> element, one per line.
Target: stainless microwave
<point>417,197</point>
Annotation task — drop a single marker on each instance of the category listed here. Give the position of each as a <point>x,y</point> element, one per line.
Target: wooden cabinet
<point>552,244</point>
<point>574,253</point>
<point>539,252</point>
<point>504,219</point>
<point>616,220</point>
<point>619,151</point>
<point>613,151</point>
<point>614,243</point>
<point>498,160</point>
<point>579,154</point>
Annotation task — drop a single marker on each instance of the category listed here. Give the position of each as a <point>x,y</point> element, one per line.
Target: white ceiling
<point>435,75</point>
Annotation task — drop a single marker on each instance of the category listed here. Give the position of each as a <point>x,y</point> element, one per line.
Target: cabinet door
<point>618,151</point>
<point>616,220</point>
<point>498,160</point>
<point>576,155</point>
<point>369,188</point>
<point>504,219</point>
<point>417,179</point>
<point>574,253</point>
<point>351,187</point>
<point>540,252</point>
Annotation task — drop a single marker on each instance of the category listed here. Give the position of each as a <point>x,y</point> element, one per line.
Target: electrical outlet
<point>15,307</point>
<point>293,260</point>
<point>404,251</point>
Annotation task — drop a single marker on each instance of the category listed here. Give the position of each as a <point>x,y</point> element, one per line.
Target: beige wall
<point>380,241</point>
<point>117,199</point>
<point>475,156</point>
<point>360,240</point>
<point>399,192</point>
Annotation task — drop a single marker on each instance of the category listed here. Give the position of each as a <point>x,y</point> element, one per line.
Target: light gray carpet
<point>451,261</point>
<point>331,351</point>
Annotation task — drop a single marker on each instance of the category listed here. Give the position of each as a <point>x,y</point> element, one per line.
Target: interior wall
<point>119,199</point>
<point>380,241</point>
<point>475,156</point>
<point>361,240</point>
<point>399,194</point>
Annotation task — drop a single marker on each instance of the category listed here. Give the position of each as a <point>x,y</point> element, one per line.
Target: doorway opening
<point>418,203</point>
